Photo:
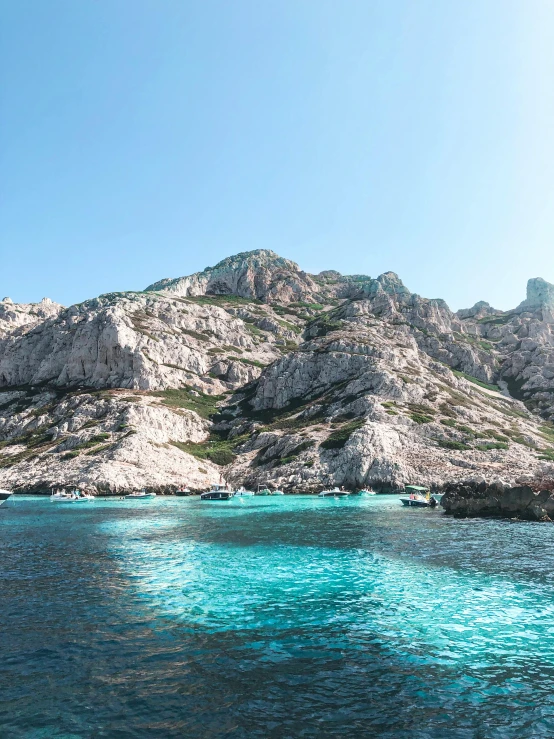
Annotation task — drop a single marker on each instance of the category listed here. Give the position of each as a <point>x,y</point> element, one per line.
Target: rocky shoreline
<point>533,501</point>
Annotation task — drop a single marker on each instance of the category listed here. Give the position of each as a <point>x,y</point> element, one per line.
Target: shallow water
<point>272,617</point>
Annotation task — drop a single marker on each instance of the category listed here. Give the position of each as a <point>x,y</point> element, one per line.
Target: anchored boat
<point>419,497</point>
<point>242,493</point>
<point>218,492</point>
<point>140,495</point>
<point>4,495</point>
<point>60,496</point>
<point>334,493</point>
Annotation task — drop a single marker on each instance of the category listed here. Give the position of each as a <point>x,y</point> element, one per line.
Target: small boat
<point>419,497</point>
<point>140,495</point>
<point>334,493</point>
<point>366,491</point>
<point>218,492</point>
<point>241,492</point>
<point>183,492</point>
<point>417,502</point>
<point>277,492</point>
<point>264,491</point>
<point>4,495</point>
<point>60,496</point>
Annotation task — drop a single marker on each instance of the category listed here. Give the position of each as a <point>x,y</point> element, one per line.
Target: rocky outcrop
<point>259,274</point>
<point>108,442</point>
<point>23,316</point>
<point>480,498</point>
<point>143,341</point>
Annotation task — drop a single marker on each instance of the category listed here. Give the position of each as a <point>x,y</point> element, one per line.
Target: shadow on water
<point>286,620</point>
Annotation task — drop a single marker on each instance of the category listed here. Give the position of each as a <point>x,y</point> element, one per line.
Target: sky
<point>142,139</point>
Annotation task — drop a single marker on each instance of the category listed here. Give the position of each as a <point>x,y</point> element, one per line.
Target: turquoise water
<point>272,617</point>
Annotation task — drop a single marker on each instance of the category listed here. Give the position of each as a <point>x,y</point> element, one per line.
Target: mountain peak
<point>255,259</point>
<point>260,274</point>
<point>540,294</point>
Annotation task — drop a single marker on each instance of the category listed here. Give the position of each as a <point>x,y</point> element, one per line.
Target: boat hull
<point>217,495</point>
<point>415,503</point>
<point>4,496</point>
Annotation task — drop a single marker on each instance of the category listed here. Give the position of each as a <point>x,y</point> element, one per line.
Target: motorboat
<point>4,495</point>
<point>60,496</point>
<point>277,492</point>
<point>183,492</point>
<point>417,502</point>
<point>334,493</point>
<point>140,495</point>
<point>419,497</point>
<point>365,491</point>
<point>218,492</point>
<point>241,492</point>
<point>264,491</point>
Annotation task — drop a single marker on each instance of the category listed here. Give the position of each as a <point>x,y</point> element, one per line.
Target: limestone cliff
<point>264,373</point>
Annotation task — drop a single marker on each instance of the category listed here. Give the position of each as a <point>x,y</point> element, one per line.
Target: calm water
<point>272,617</point>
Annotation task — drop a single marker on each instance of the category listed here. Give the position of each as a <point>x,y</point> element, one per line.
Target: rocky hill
<point>262,373</point>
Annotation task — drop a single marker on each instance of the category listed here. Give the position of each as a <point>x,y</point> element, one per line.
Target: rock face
<point>479,498</point>
<point>259,274</point>
<point>261,372</point>
<point>23,316</point>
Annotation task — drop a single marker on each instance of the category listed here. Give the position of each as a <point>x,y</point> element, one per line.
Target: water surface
<point>272,617</point>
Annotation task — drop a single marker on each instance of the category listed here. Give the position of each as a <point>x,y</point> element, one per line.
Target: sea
<point>272,617</point>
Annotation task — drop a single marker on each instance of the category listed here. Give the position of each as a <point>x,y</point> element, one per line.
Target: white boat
<point>419,497</point>
<point>277,492</point>
<point>241,492</point>
<point>4,495</point>
<point>76,496</point>
<point>418,501</point>
<point>218,492</point>
<point>365,491</point>
<point>334,493</point>
<point>264,491</point>
<point>140,495</point>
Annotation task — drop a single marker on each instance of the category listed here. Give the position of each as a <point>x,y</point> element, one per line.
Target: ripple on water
<point>301,618</point>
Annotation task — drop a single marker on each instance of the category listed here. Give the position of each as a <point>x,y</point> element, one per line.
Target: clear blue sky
<point>143,139</point>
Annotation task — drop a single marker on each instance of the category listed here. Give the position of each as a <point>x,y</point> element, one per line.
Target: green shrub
<point>190,399</point>
<point>69,455</point>
<point>421,418</point>
<point>495,435</point>
<point>455,445</point>
<point>252,362</point>
<point>475,381</point>
<point>491,446</point>
<point>448,422</point>
<point>99,449</point>
<point>195,334</point>
<point>215,449</point>
<point>337,439</point>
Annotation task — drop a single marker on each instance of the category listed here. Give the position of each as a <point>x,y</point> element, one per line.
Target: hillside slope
<point>261,372</point>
